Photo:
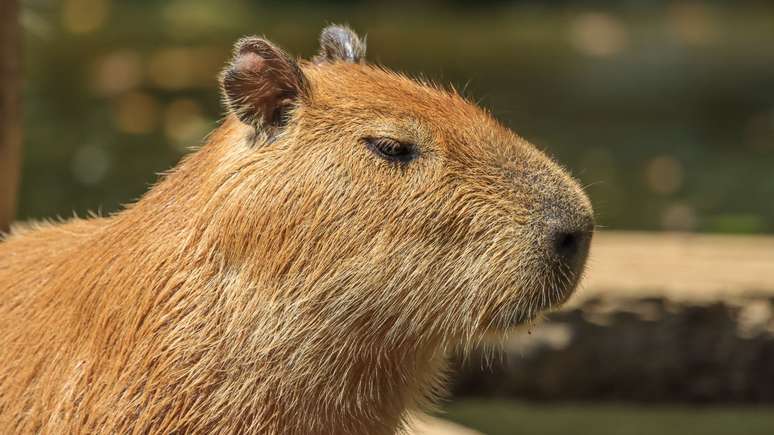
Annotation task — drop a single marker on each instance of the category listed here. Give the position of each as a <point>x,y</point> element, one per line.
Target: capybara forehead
<point>368,85</point>
<point>369,94</point>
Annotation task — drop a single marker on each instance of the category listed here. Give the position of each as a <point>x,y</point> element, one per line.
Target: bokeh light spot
<point>84,16</point>
<point>664,175</point>
<point>184,123</point>
<point>136,113</point>
<point>598,34</point>
<point>117,73</point>
<point>691,23</point>
<point>679,217</point>
<point>759,131</point>
<point>90,164</point>
<point>176,68</point>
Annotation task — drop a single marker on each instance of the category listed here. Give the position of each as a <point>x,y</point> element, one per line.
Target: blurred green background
<point>664,109</point>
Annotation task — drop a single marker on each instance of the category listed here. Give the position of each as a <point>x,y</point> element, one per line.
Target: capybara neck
<point>207,304</point>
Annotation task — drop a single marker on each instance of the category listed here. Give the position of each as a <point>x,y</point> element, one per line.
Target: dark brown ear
<point>262,83</point>
<point>340,44</point>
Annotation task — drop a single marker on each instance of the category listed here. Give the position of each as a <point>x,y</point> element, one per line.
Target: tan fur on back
<point>296,285</point>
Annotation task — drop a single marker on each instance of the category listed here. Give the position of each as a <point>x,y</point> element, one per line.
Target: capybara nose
<point>570,244</point>
<point>569,238</point>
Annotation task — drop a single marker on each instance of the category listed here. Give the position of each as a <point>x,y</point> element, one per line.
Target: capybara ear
<point>340,44</point>
<point>262,83</point>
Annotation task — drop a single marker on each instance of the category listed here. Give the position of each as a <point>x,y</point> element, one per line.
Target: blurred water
<point>664,109</point>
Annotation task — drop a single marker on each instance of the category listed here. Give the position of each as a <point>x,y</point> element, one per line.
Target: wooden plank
<point>683,267</point>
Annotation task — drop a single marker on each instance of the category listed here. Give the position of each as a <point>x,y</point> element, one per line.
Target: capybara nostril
<point>570,245</point>
<point>569,241</point>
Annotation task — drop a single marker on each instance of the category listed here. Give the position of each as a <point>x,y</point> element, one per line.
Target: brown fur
<point>292,283</point>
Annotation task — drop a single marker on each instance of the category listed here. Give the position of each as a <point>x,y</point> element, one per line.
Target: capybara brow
<point>308,270</point>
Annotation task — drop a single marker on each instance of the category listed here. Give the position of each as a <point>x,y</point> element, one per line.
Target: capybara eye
<point>391,150</point>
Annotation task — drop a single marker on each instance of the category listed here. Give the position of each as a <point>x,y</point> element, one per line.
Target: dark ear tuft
<point>340,44</point>
<point>262,82</point>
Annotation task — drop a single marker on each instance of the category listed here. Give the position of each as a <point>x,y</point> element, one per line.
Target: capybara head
<point>399,207</point>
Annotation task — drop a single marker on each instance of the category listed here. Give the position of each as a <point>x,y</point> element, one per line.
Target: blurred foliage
<point>665,110</point>
<point>512,418</point>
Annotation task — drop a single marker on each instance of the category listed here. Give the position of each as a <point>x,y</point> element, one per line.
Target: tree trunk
<point>10,110</point>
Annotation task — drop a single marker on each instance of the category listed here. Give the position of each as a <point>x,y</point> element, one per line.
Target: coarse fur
<point>284,278</point>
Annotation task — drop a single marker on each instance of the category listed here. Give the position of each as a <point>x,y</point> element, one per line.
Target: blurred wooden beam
<point>677,266</point>
<point>10,110</point>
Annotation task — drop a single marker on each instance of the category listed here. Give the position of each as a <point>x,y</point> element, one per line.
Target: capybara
<point>307,271</point>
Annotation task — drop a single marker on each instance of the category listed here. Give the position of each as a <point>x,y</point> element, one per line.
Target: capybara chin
<point>306,271</point>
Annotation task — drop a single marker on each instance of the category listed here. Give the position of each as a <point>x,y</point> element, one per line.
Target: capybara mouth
<point>520,314</point>
<point>566,263</point>
<point>543,296</point>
